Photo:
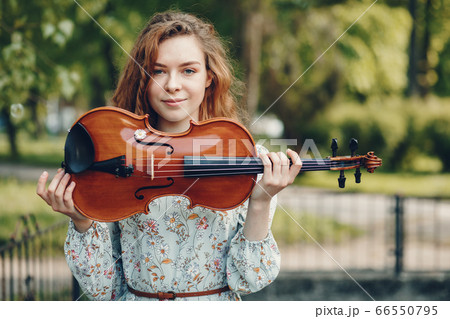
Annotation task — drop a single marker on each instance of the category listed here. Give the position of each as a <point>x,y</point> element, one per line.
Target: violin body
<point>120,164</point>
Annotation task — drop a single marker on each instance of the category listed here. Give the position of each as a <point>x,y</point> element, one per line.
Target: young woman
<point>179,72</point>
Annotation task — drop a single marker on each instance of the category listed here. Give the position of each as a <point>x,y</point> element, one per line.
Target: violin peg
<point>357,176</point>
<point>341,180</point>
<point>353,146</point>
<point>334,146</point>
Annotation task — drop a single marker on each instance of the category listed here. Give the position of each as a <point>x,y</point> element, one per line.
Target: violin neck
<point>200,166</point>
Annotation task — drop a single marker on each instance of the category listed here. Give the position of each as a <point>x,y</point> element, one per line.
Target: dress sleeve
<point>252,265</point>
<point>94,257</point>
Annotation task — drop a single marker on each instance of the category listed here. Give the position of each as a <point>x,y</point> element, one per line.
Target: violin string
<point>224,162</point>
<point>228,170</point>
<point>254,166</point>
<point>225,167</point>
<point>212,158</point>
<point>231,168</point>
<point>240,166</point>
<point>220,172</point>
<point>305,162</point>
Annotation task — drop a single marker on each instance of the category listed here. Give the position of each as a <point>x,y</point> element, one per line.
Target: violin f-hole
<point>169,151</point>
<point>141,197</point>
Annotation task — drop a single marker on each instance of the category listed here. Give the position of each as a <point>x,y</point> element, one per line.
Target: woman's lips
<point>174,102</point>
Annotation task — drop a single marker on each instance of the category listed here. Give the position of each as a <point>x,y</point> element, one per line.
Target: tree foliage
<point>30,37</point>
<point>299,57</point>
<point>323,55</point>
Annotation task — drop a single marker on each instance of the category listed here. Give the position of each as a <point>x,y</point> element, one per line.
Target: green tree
<point>29,37</point>
<point>429,37</point>
<point>369,59</point>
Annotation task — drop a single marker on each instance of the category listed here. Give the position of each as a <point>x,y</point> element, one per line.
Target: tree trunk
<point>112,72</point>
<point>33,103</point>
<point>424,65</point>
<point>253,34</point>
<point>412,69</point>
<point>11,132</point>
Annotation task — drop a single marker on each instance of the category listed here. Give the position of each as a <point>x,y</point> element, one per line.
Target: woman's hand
<point>277,174</point>
<point>58,196</point>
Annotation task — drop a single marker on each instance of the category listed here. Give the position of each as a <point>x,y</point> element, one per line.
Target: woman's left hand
<point>277,174</point>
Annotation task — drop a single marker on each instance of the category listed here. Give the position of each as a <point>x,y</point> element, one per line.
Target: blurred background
<point>383,80</point>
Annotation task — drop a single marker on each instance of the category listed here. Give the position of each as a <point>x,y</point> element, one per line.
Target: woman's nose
<point>173,83</point>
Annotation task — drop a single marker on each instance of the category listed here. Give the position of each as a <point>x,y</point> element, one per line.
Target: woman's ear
<point>209,78</point>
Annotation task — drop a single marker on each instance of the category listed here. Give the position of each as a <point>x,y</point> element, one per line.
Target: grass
<point>17,199</point>
<point>407,184</point>
<point>48,151</point>
<point>322,229</point>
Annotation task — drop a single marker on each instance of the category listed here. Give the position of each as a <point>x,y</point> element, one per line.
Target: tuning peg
<point>357,176</point>
<point>334,146</point>
<point>353,146</point>
<point>341,180</point>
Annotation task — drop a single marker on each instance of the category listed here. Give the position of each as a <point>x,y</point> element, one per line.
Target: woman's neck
<point>171,127</point>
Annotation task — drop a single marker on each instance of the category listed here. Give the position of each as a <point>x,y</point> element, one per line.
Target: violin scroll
<point>370,162</point>
<point>342,163</point>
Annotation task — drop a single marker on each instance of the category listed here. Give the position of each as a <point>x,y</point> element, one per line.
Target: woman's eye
<point>157,72</point>
<point>189,71</point>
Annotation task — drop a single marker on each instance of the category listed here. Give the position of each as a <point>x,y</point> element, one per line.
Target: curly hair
<point>220,97</point>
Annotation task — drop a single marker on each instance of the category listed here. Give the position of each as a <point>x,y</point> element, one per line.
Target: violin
<point>120,164</point>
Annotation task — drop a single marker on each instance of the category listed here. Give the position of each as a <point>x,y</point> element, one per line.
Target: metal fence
<point>392,234</point>
<point>395,234</point>
<point>32,264</point>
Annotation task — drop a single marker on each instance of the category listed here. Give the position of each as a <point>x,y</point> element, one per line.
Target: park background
<point>377,71</point>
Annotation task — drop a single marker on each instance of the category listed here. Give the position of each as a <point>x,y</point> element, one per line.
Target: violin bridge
<point>152,165</point>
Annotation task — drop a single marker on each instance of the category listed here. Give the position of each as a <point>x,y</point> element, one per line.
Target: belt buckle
<point>163,295</point>
<point>174,295</point>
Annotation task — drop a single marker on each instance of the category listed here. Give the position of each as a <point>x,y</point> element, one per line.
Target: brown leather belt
<point>172,295</point>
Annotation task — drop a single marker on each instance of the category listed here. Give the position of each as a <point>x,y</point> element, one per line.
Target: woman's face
<point>178,84</point>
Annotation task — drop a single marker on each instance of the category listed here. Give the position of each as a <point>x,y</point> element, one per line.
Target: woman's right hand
<point>58,196</point>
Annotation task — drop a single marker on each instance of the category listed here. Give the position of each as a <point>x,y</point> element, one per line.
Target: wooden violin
<point>120,163</point>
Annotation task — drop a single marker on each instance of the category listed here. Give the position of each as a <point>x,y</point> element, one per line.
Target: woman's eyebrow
<point>190,63</point>
<point>181,65</point>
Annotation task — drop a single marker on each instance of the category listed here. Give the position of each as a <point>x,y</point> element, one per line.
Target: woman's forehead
<point>180,50</point>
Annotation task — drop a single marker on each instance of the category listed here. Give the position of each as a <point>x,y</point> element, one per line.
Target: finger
<point>284,168</point>
<point>54,184</point>
<point>276,164</point>
<point>61,189</point>
<point>296,160</point>
<point>267,165</point>
<point>68,199</point>
<point>284,161</point>
<point>40,189</point>
<point>296,164</point>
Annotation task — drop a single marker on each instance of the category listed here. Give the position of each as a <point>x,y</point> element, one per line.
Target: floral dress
<point>172,248</point>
